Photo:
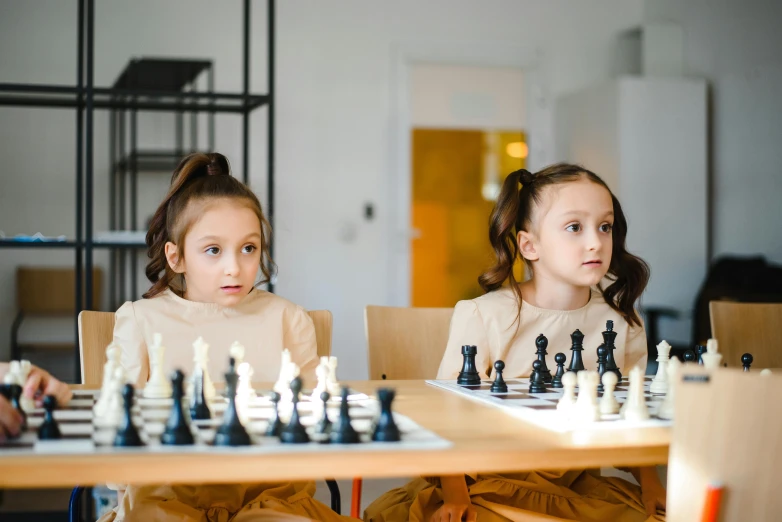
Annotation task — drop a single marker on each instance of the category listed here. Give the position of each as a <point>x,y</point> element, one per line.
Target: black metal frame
<point>86,98</point>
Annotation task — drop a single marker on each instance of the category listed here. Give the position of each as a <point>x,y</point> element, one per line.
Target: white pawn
<point>634,409</point>
<point>665,410</point>
<point>660,382</point>
<point>201,358</point>
<point>237,352</point>
<point>586,409</point>
<point>332,385</point>
<point>111,416</point>
<point>608,403</point>
<point>244,389</point>
<point>765,372</point>
<point>712,359</point>
<point>322,373</point>
<point>157,387</point>
<point>26,402</point>
<point>568,400</point>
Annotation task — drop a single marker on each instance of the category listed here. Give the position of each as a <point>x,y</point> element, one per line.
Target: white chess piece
<point>111,416</point>
<point>665,410</point>
<point>586,409</point>
<point>332,385</point>
<point>322,373</point>
<point>712,359</point>
<point>113,354</point>
<point>237,352</point>
<point>201,358</point>
<point>14,374</point>
<point>244,390</point>
<point>765,372</point>
<point>158,387</point>
<point>568,399</point>
<point>25,402</point>
<point>660,382</point>
<point>283,381</point>
<point>634,409</point>
<point>608,403</point>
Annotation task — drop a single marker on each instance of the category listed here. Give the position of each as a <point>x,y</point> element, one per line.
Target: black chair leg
<point>336,499</point>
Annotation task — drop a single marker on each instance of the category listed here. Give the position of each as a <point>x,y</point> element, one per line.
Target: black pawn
<point>576,361</point>
<point>469,375</point>
<point>609,340</point>
<point>536,384</point>
<point>344,433</point>
<point>499,386</point>
<point>701,348</point>
<point>602,358</point>
<point>689,356</point>
<point>542,343</point>
<point>560,359</point>
<point>746,361</point>
<point>323,427</point>
<point>49,429</point>
<point>127,435</point>
<point>275,426</point>
<point>231,432</point>
<point>386,429</point>
<point>177,432</point>
<point>199,409</point>
<point>294,432</point>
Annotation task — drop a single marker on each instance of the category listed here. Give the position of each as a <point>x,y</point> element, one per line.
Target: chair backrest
<point>51,290</point>
<point>725,431</point>
<point>748,327</point>
<point>406,343</point>
<point>96,331</point>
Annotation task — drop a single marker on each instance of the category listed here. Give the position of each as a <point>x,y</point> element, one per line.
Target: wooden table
<point>484,440</point>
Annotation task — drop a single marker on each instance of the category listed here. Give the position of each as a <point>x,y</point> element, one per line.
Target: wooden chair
<point>406,343</point>
<point>748,327</point>
<point>725,431</point>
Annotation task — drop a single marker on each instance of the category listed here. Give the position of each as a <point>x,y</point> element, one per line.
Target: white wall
<point>336,124</point>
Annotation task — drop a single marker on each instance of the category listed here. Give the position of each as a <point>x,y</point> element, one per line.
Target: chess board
<point>80,435</point>
<point>541,408</point>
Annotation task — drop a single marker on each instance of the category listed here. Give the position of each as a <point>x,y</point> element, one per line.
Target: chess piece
<point>27,403</point>
<point>332,385</point>
<point>177,432</point>
<point>499,386</point>
<point>322,374</point>
<point>157,386</point>
<point>386,429</point>
<point>469,375</point>
<point>13,375</point>
<point>746,361</point>
<point>111,415</point>
<point>237,351</point>
<point>586,408</point>
<point>568,399</point>
<point>127,434</point>
<point>536,384</point>
<point>609,338</point>
<point>294,432</point>
<point>608,403</point>
<point>245,390</point>
<point>660,382</point>
<point>323,427</point>
<point>765,372</point>
<point>13,392</point>
<point>283,383</point>
<point>576,362</point>
<point>344,433</point>
<point>602,359</point>
<point>665,410</point>
<point>634,409</point>
<point>201,360</point>
<point>113,353</point>
<point>701,349</point>
<point>690,356</point>
<point>275,425</point>
<point>542,343</point>
<point>199,408</point>
<point>49,429</point>
<point>231,432</point>
<point>712,358</point>
<point>560,359</point>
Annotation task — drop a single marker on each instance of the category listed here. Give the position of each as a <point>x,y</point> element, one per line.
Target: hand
<point>40,383</point>
<point>455,513</point>
<point>10,420</point>
<point>652,491</point>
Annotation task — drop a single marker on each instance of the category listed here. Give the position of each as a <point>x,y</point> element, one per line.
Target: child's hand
<point>652,491</point>
<point>455,513</point>
<point>10,420</point>
<point>40,383</point>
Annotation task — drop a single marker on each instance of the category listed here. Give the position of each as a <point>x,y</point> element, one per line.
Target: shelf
<point>153,161</point>
<point>6,243</point>
<point>163,74</point>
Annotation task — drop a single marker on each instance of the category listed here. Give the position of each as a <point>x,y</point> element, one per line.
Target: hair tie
<point>525,176</point>
<point>213,169</point>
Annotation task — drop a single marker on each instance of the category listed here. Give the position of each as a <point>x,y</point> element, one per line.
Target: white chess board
<point>81,436</point>
<point>541,408</point>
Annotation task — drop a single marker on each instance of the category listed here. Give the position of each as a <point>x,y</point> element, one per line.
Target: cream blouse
<point>263,322</point>
<point>489,322</point>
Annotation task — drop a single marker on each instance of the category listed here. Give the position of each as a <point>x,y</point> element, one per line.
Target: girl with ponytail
<point>569,230</point>
<point>208,245</point>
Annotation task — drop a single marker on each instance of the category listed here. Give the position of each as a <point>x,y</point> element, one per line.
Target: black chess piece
<point>536,384</point>
<point>13,393</point>
<point>542,343</point>
<point>49,429</point>
<point>199,409</point>
<point>323,427</point>
<point>689,356</point>
<point>231,432</point>
<point>609,340</point>
<point>275,425</point>
<point>344,433</point>
<point>701,349</point>
<point>386,429</point>
<point>560,359</point>
<point>177,432</point>
<point>469,375</point>
<point>294,432</point>
<point>746,361</point>
<point>127,435</point>
<point>499,386</point>
<point>602,359</point>
<point>576,362</point>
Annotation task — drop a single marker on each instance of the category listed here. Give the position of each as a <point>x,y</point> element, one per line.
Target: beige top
<point>489,322</point>
<point>263,322</point>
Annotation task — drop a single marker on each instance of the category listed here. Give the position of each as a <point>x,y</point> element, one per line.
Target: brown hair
<point>512,214</point>
<point>198,177</point>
